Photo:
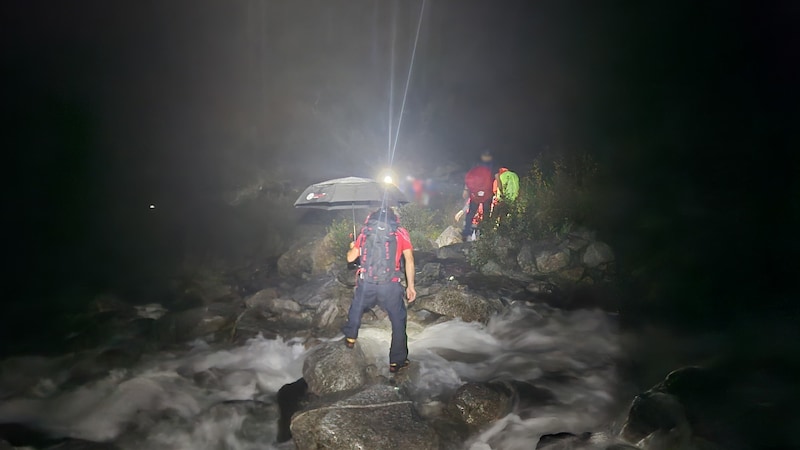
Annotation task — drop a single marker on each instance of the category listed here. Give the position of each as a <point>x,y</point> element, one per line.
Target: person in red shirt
<point>478,194</point>
<point>388,294</point>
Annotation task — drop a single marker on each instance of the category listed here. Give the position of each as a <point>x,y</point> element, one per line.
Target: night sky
<point>111,106</point>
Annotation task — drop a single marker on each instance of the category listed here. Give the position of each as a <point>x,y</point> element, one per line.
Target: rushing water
<point>207,397</point>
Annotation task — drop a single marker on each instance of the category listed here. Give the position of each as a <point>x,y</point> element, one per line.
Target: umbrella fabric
<point>350,192</point>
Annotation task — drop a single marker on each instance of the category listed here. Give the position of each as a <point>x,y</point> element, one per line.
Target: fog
<point>112,107</point>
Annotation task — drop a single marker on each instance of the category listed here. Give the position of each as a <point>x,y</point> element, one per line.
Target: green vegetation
<point>423,224</point>
<point>338,237</point>
<point>555,197</point>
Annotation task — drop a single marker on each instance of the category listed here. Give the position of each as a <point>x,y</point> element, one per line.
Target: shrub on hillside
<point>423,224</point>
<point>554,197</point>
<point>338,237</point>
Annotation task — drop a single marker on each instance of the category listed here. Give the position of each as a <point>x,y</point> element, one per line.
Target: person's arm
<point>465,194</point>
<point>411,292</point>
<point>353,253</point>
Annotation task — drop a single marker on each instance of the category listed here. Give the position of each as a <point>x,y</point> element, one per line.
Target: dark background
<point>109,107</point>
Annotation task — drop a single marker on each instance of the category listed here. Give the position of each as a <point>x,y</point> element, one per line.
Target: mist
<point>131,126</point>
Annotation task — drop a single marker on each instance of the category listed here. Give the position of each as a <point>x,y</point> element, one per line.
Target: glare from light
<point>152,206</point>
<point>387,175</point>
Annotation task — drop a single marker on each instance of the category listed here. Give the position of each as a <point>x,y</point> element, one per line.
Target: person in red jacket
<point>378,281</point>
<point>478,184</point>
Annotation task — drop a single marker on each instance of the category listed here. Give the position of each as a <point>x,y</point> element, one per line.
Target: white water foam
<point>159,404</point>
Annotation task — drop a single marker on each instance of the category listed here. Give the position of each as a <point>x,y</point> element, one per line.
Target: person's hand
<point>411,294</point>
<point>352,244</point>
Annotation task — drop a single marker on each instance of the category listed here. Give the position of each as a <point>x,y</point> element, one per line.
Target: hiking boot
<point>395,367</point>
<point>349,342</point>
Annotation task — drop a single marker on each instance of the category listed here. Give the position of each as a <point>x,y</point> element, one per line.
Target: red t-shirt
<point>403,243</point>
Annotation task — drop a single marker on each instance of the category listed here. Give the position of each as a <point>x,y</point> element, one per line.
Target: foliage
<point>554,198</point>
<point>338,238</point>
<point>421,222</point>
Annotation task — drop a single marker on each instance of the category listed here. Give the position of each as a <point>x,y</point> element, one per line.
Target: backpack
<point>510,183</point>
<point>479,182</point>
<point>379,250</point>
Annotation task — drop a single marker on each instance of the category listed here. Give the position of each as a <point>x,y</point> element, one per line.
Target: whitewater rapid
<point>213,397</point>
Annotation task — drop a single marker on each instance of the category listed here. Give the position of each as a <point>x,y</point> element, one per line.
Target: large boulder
<point>551,260</point>
<point>597,253</point>
<point>456,301</point>
<point>213,322</point>
<point>479,404</point>
<point>310,257</point>
<point>451,235</point>
<point>298,261</point>
<point>430,273</point>
<point>651,412</point>
<point>379,417</point>
<point>332,367</point>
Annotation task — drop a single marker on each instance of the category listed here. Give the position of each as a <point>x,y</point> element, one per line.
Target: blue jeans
<point>390,298</point>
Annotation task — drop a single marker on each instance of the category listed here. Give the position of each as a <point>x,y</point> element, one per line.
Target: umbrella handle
<point>354,221</point>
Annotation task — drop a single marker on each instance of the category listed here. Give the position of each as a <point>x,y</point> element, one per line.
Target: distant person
<point>507,185</point>
<point>419,188</point>
<point>380,246</point>
<point>506,191</point>
<point>478,193</point>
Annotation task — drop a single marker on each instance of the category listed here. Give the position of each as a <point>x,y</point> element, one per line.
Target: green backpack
<point>510,186</point>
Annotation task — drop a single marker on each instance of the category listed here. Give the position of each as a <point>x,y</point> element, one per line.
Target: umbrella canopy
<point>349,192</point>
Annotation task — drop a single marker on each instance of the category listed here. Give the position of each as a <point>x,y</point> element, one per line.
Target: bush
<point>422,223</point>
<point>554,197</point>
<point>338,237</point>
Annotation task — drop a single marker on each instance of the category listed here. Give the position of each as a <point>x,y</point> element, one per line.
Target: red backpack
<point>479,182</point>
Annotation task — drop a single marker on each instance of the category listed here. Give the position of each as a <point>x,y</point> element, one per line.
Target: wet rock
<point>575,243</point>
<point>204,286</point>
<point>478,404</point>
<point>451,235</point>
<point>262,298</point>
<point>653,411</point>
<point>724,403</point>
<point>202,322</point>
<point>552,259</point>
<point>457,302</point>
<point>311,294</point>
<point>326,315</point>
<point>298,261</point>
<point>586,440</point>
<point>540,287</point>
<point>253,322</point>
<point>562,441</point>
<point>430,273</point>
<point>583,234</point>
<point>597,253</point>
<point>492,268</point>
<point>331,367</point>
<point>150,311</point>
<point>379,417</point>
<point>455,251</point>
<point>571,275</point>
